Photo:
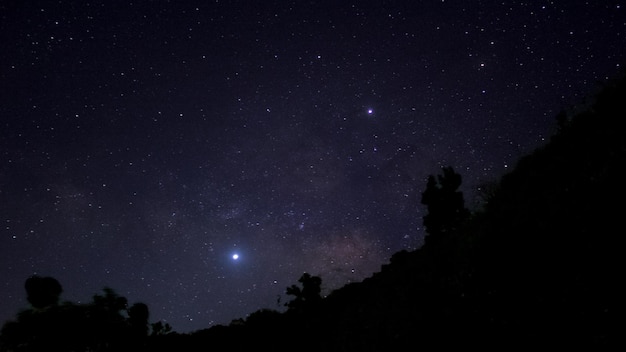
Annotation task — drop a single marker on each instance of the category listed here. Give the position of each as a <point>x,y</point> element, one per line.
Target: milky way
<point>143,144</point>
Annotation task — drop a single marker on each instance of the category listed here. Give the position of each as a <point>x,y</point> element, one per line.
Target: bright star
<point>235,256</point>
<point>370,111</point>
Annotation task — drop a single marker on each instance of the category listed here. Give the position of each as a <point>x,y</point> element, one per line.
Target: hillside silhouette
<point>537,267</point>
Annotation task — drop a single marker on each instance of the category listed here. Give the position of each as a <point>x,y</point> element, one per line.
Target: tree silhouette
<point>42,291</point>
<point>306,296</point>
<point>445,204</point>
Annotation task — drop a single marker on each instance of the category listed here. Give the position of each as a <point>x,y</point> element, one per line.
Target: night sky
<point>144,144</point>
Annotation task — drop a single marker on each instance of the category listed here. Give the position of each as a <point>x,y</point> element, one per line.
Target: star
<point>235,256</point>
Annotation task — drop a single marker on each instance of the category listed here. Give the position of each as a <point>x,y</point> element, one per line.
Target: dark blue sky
<point>142,144</point>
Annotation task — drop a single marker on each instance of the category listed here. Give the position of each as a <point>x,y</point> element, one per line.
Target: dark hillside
<point>539,266</point>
